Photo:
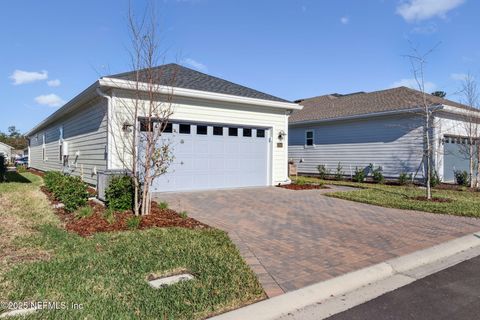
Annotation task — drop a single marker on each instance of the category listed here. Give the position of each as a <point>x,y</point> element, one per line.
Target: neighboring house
<point>383,128</point>
<point>225,135</point>
<point>6,151</point>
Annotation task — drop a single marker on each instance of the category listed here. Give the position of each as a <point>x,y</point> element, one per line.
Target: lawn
<point>463,203</point>
<point>106,273</point>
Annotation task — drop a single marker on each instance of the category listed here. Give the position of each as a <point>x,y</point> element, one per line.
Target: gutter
<point>102,94</point>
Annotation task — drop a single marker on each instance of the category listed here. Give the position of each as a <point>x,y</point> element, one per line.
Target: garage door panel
<point>215,161</point>
<point>455,158</point>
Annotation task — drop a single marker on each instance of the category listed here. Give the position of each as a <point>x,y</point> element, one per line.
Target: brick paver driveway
<point>295,238</point>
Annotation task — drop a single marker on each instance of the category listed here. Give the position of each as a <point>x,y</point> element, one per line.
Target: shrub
<point>434,179</point>
<point>359,175</point>
<point>3,168</point>
<point>322,171</point>
<point>377,175</point>
<point>462,178</point>
<point>338,172</point>
<point>404,178</point>
<point>183,214</point>
<point>119,193</point>
<point>163,205</point>
<point>84,212</point>
<point>53,181</point>
<point>109,215</point>
<point>133,222</point>
<point>73,193</point>
<point>21,169</point>
<point>301,181</point>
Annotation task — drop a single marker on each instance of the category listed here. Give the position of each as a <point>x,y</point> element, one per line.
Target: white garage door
<point>214,156</point>
<point>455,157</point>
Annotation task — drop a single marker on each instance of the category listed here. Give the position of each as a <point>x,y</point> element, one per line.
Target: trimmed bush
<point>3,168</point>
<point>404,178</point>
<point>322,171</point>
<point>71,191</point>
<point>359,175</point>
<point>434,179</point>
<point>119,193</point>
<point>462,178</point>
<point>339,172</point>
<point>133,222</point>
<point>377,175</point>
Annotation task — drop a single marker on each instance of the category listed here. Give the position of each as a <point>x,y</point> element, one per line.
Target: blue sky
<point>52,50</point>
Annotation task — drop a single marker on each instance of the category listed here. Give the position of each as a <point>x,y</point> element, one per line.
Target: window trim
<point>312,131</point>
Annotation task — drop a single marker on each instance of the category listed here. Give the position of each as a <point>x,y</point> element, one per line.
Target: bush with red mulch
<point>86,226</point>
<point>294,186</point>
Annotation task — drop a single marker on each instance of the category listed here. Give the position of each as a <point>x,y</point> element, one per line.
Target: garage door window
<point>233,132</point>
<point>247,132</point>
<point>260,133</point>
<point>218,131</point>
<point>184,128</point>
<point>202,130</point>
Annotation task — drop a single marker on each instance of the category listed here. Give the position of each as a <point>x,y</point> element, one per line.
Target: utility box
<point>292,169</point>
<point>103,180</point>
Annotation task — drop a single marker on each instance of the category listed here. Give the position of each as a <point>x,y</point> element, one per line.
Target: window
<point>247,132</point>
<point>202,129</point>
<point>233,132</point>
<point>60,133</point>
<point>144,127</point>
<point>43,148</point>
<point>168,128</point>
<point>309,137</point>
<point>218,131</point>
<point>260,133</point>
<point>184,128</point>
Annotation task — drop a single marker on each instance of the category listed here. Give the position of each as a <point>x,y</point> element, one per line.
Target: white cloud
<point>459,76</point>
<point>54,83</point>
<point>195,64</point>
<point>51,100</point>
<point>417,10</point>
<point>22,77</point>
<point>412,83</point>
<point>345,20</point>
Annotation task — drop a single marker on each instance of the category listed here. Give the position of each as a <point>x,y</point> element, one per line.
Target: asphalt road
<point>452,294</point>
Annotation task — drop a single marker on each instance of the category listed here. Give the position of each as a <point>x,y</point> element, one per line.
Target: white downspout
<point>109,133</point>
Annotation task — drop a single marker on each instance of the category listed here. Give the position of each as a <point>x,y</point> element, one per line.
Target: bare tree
<point>418,62</point>
<point>471,128</point>
<point>142,113</point>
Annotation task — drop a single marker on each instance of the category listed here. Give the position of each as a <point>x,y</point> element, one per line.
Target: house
<point>224,135</point>
<point>6,151</point>
<point>383,128</point>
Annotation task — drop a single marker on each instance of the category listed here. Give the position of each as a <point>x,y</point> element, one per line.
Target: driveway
<point>292,239</point>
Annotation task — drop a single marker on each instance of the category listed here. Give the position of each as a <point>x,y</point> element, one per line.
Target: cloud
<point>195,64</point>
<point>54,83</point>
<point>22,77</point>
<point>459,76</point>
<point>345,20</point>
<point>417,10</point>
<point>411,83</point>
<point>51,100</point>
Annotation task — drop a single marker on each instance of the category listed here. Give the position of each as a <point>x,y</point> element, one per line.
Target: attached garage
<point>455,157</point>
<point>215,156</point>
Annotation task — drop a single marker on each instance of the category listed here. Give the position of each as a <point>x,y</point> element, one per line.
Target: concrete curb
<point>281,305</point>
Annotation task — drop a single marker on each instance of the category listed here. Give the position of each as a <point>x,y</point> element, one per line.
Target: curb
<point>281,305</point>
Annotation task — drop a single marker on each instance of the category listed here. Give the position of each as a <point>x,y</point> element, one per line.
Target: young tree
<point>418,61</point>
<point>471,128</point>
<point>142,117</point>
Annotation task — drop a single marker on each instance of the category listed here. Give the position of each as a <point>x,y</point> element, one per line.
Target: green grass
<point>163,205</point>
<point>464,203</point>
<point>107,272</point>
<point>84,212</point>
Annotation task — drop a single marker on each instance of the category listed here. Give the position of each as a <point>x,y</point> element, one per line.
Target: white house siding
<point>394,143</point>
<point>447,124</point>
<point>6,151</point>
<point>85,130</point>
<point>213,112</point>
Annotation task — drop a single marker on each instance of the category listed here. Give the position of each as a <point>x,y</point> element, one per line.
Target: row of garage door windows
<point>185,128</point>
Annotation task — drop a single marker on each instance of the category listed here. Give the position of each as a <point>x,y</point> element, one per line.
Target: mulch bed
<point>455,187</point>
<point>433,199</point>
<point>294,186</point>
<point>161,218</point>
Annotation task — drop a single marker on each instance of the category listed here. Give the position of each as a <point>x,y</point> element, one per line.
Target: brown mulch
<point>36,172</point>
<point>161,218</point>
<point>454,187</point>
<point>433,199</point>
<point>294,186</point>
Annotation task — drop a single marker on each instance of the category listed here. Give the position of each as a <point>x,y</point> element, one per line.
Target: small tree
<point>471,117</point>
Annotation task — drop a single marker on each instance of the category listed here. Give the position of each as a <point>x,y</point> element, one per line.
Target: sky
<point>53,49</point>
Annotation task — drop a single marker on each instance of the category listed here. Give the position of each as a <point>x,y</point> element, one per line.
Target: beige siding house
<point>226,135</point>
<point>6,151</point>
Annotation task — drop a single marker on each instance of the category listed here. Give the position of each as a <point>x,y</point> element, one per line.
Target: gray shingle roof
<point>179,76</point>
<point>336,106</point>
